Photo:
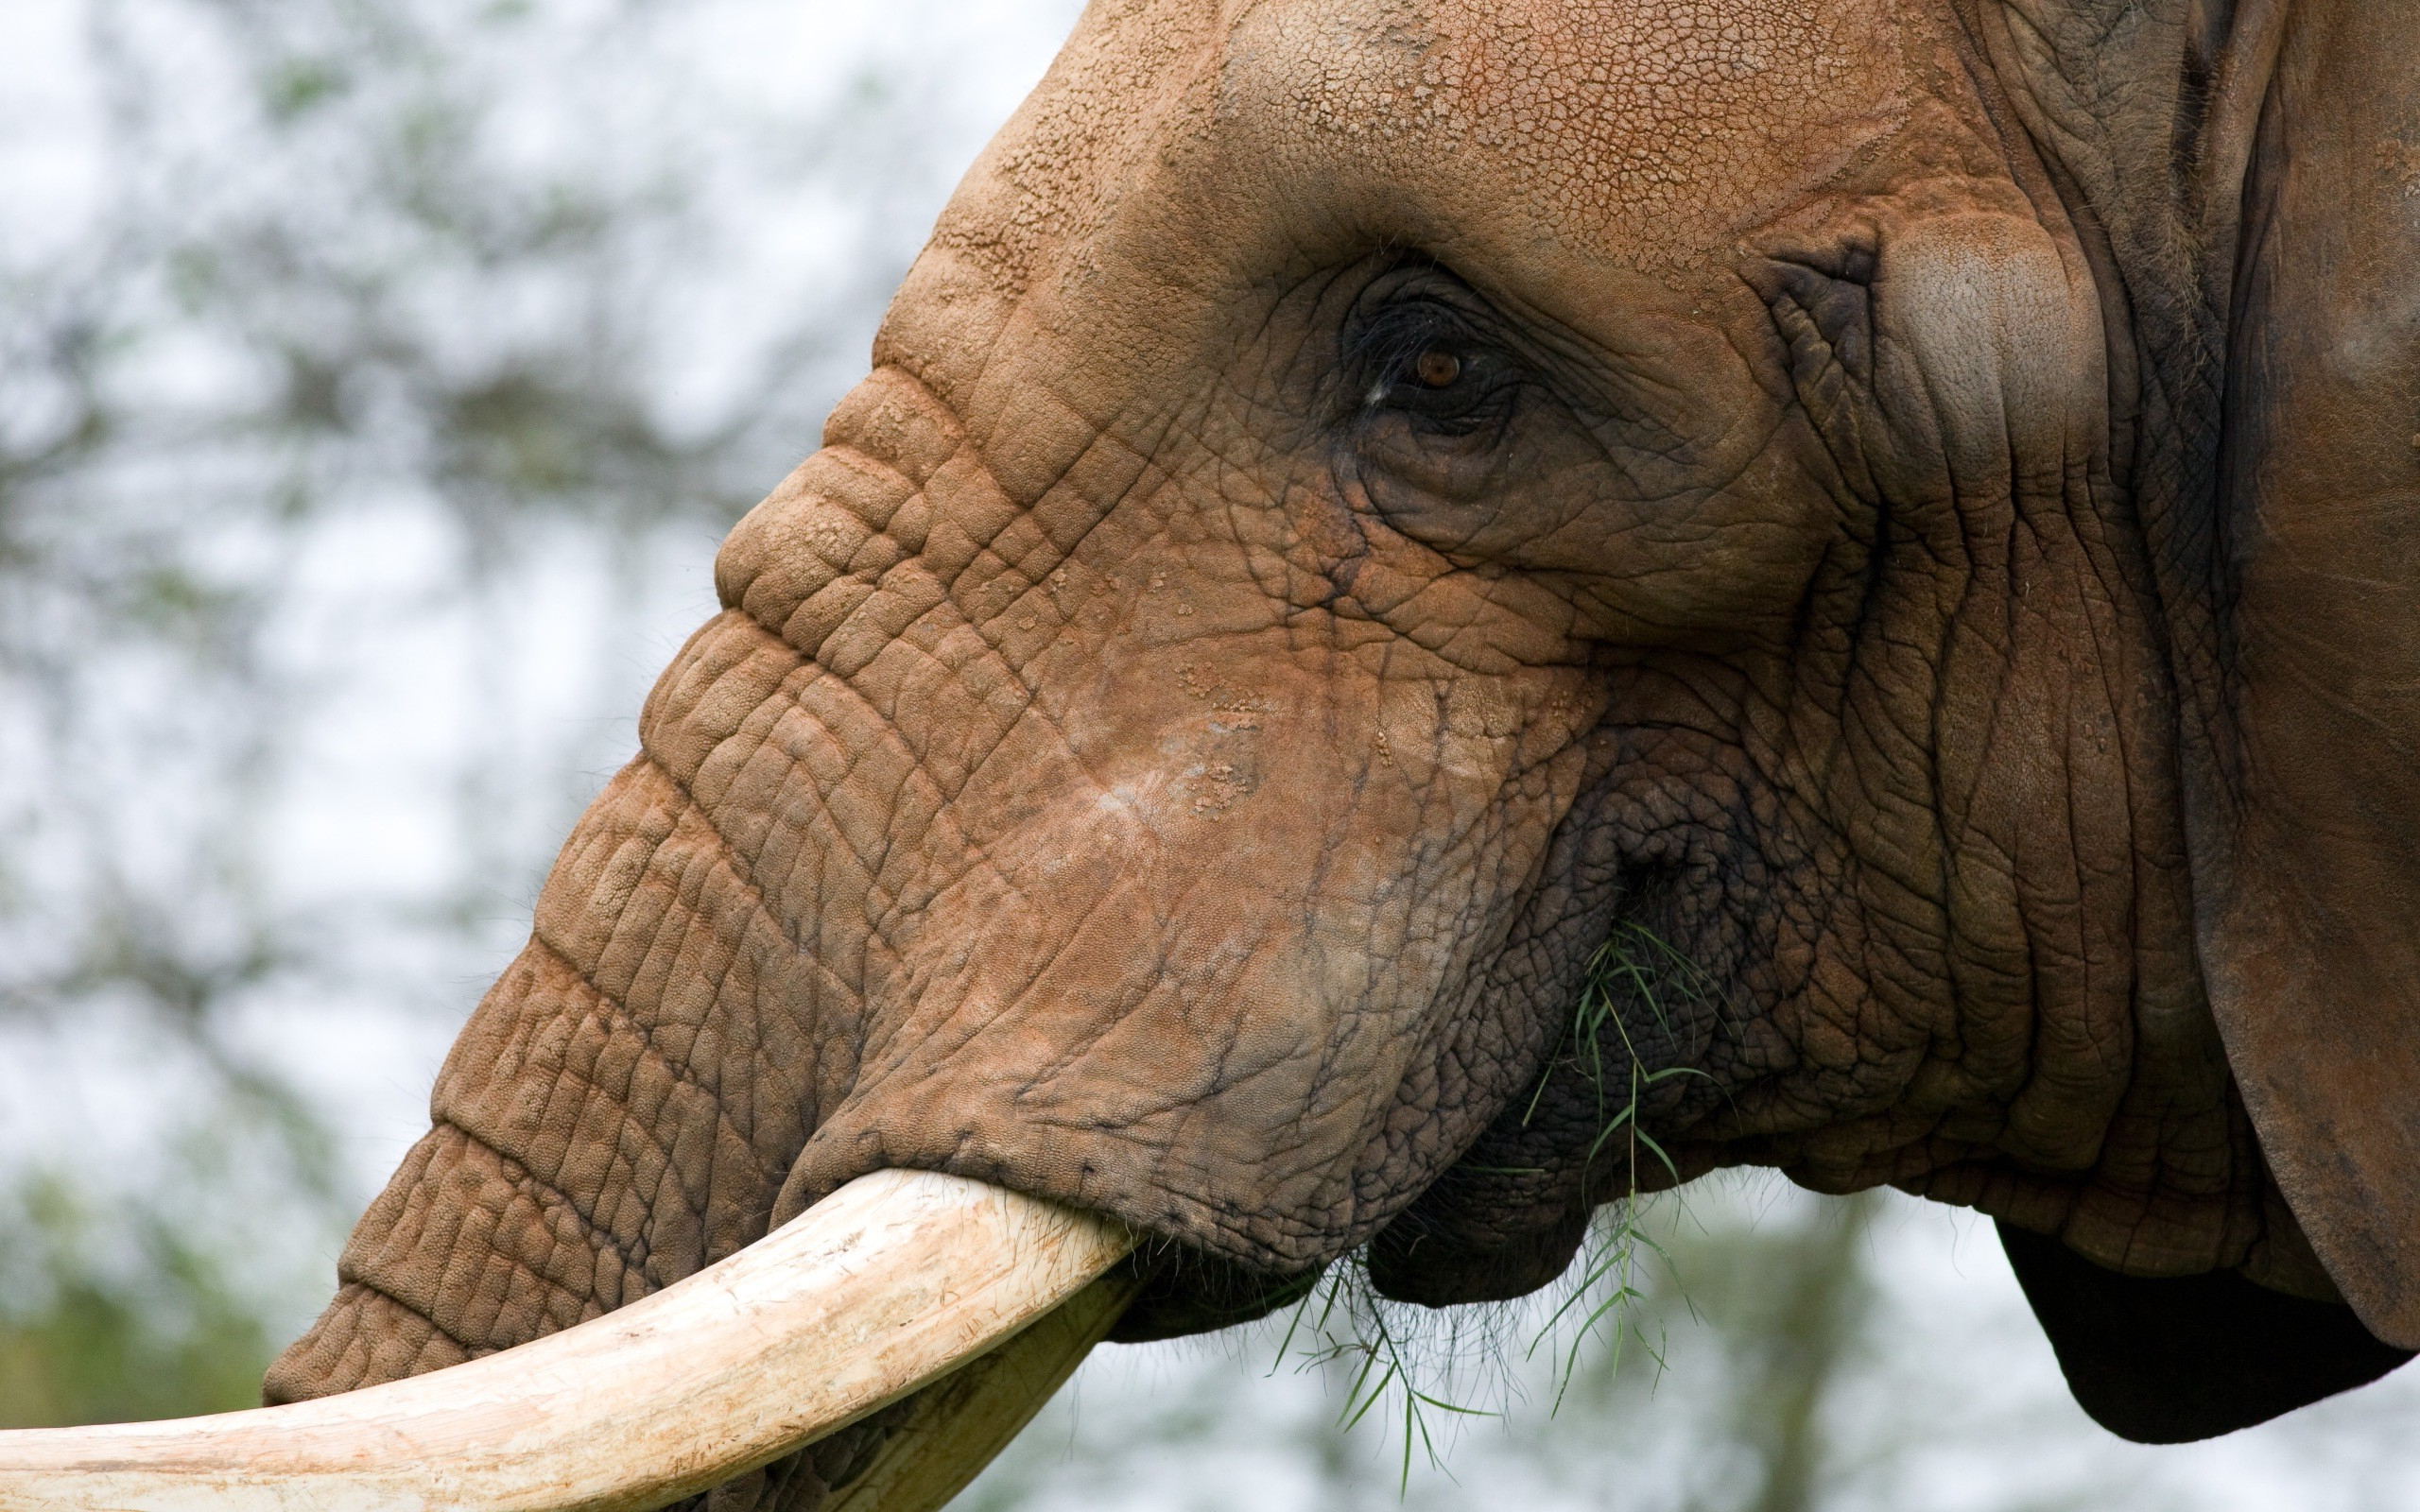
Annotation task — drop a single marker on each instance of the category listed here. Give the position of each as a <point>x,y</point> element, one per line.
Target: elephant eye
<point>1436,368</point>
<point>1429,370</point>
<point>1420,360</point>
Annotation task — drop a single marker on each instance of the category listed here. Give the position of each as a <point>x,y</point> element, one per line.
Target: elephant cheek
<point>1193,987</point>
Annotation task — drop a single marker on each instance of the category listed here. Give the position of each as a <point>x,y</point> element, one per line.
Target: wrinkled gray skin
<point>1361,504</point>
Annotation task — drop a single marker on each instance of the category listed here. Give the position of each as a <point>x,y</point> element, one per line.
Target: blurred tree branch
<point>485,266</point>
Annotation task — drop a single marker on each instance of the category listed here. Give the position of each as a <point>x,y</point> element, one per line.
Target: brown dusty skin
<point>1168,755</point>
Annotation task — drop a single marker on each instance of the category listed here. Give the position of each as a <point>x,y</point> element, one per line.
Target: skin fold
<point>1361,504</point>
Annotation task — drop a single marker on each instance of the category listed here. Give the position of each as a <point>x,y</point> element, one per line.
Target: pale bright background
<point>376,377</point>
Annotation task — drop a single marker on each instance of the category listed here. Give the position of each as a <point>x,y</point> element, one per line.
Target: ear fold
<point>1944,355</point>
<point>2168,1360</point>
<point>2304,758</point>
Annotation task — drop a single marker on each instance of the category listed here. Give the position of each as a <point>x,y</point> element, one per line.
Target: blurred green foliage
<point>547,290</point>
<point>320,267</point>
<point>112,1315</point>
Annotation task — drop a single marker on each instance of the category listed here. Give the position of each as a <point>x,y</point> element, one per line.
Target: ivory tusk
<point>876,1291</point>
<point>959,1423</point>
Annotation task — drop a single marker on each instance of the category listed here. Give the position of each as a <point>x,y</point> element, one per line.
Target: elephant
<point>1857,537</point>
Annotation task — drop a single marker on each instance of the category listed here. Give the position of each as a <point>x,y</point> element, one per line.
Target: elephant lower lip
<point>883,1288</point>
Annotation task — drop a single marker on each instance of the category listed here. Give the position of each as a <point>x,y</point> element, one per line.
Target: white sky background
<point>407,690</point>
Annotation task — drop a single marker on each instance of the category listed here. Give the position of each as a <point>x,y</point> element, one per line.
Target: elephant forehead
<point>1542,141</point>
<point>1652,130</point>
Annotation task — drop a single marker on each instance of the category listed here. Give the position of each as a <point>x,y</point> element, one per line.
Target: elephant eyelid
<point>1384,342</point>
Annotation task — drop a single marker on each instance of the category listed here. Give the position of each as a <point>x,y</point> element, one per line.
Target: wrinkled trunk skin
<point>929,860</point>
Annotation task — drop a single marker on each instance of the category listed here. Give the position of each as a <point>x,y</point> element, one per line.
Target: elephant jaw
<point>888,1286</point>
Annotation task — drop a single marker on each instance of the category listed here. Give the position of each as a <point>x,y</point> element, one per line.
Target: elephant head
<point>1882,520</point>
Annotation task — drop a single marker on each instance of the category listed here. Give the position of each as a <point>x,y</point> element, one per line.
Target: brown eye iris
<point>1436,368</point>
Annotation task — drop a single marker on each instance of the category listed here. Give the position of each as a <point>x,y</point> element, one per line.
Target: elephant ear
<point>2170,1359</point>
<point>2304,762</point>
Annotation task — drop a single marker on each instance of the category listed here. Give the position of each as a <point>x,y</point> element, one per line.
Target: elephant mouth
<point>900,1281</point>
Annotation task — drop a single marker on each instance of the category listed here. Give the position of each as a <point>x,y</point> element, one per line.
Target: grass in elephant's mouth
<point>1634,965</point>
<point>1391,1351</point>
<point>1403,1365</point>
<point>1344,1322</point>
